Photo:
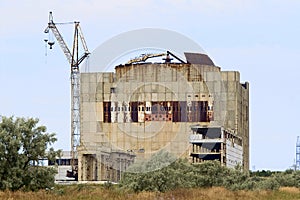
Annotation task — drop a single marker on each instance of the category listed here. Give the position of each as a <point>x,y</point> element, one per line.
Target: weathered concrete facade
<point>143,108</point>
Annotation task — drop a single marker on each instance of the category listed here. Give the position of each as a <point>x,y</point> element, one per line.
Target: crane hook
<point>51,44</point>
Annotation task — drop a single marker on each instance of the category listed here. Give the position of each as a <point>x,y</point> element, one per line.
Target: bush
<point>182,174</point>
<point>268,184</point>
<point>38,177</point>
<point>167,176</point>
<point>179,174</point>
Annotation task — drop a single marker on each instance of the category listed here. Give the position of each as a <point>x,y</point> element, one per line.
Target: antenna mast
<point>298,153</point>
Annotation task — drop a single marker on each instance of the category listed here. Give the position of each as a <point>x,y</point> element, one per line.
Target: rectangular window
<point>107,114</point>
<point>112,90</point>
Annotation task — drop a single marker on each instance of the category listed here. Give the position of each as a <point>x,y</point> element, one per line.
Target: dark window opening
<point>112,90</point>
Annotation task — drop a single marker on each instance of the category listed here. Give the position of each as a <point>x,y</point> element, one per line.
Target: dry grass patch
<point>290,190</point>
<point>96,192</point>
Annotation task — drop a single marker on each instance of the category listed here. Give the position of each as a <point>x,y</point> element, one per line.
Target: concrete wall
<point>156,83</point>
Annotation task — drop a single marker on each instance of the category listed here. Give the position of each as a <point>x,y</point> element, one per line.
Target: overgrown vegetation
<point>182,174</point>
<point>22,145</point>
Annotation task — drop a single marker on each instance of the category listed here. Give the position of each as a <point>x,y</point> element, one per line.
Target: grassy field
<point>100,192</point>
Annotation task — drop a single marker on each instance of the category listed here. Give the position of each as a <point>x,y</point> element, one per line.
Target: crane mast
<point>74,59</point>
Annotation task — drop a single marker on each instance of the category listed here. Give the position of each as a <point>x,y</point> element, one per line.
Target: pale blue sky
<point>260,39</point>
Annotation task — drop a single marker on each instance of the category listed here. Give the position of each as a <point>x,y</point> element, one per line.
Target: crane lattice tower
<point>298,153</point>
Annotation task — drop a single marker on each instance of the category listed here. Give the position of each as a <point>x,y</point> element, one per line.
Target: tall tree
<point>22,145</point>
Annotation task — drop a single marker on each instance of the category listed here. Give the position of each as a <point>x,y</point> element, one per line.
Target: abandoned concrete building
<point>190,108</point>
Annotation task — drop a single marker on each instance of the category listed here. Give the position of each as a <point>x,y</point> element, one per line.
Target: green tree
<point>22,145</point>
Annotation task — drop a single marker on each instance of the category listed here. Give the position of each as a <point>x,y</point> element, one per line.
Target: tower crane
<point>74,60</point>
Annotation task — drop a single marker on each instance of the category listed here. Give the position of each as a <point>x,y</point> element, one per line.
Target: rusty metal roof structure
<point>198,58</point>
